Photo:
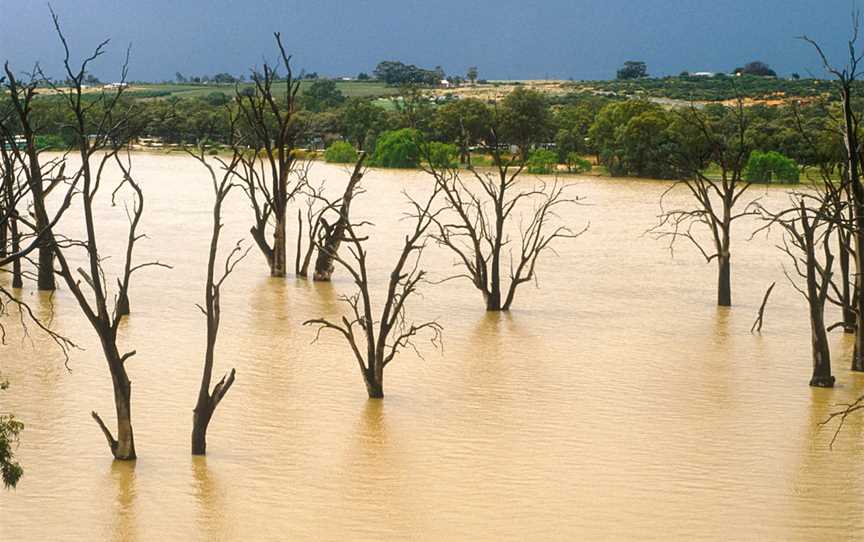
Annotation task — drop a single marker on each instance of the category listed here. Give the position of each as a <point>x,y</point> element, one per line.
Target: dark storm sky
<point>506,39</point>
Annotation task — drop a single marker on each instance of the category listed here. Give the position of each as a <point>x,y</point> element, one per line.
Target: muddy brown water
<point>615,400</point>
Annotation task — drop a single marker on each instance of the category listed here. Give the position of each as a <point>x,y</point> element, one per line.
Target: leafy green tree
<point>633,69</point>
<point>609,135</point>
<point>396,73</point>
<point>397,149</point>
<point>573,123</point>
<point>361,120</point>
<point>472,74</point>
<point>645,146</point>
<point>340,152</point>
<point>440,155</point>
<point>321,95</point>
<point>10,428</point>
<point>523,119</point>
<point>771,166</point>
<point>464,122</point>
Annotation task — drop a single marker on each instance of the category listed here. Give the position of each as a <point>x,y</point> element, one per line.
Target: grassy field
<point>348,88</point>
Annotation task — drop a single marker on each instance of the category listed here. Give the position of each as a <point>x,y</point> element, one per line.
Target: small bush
<point>577,164</point>
<point>397,148</point>
<point>769,167</point>
<point>442,155</point>
<point>542,161</point>
<point>53,142</point>
<point>340,152</point>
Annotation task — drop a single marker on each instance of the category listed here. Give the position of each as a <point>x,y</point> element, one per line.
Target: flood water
<point>615,401</point>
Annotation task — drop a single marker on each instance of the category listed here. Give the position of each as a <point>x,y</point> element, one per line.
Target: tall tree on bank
<point>267,120</point>
<point>209,399</point>
<point>845,78</point>
<point>714,136</point>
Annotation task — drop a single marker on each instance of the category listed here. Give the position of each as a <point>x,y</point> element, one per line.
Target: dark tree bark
<point>103,129</point>
<point>376,341</point>
<point>808,229</point>
<point>35,171</point>
<point>208,400</point>
<point>270,132</point>
<point>845,79</point>
<point>709,141</point>
<point>334,233</point>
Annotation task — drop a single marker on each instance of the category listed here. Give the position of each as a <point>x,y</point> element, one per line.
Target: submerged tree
<point>376,339</point>
<point>41,175</point>
<point>101,129</point>
<point>209,399</point>
<point>331,235</point>
<point>713,137</point>
<point>824,143</point>
<point>845,81</point>
<point>479,211</point>
<point>270,130</point>
<point>808,226</point>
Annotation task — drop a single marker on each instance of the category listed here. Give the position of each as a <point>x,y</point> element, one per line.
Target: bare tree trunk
<point>123,447</point>
<point>374,378</point>
<point>122,301</point>
<point>17,277</point>
<point>4,235</point>
<point>845,287</point>
<point>324,263</point>
<point>821,354</point>
<point>724,281</point>
<point>278,267</point>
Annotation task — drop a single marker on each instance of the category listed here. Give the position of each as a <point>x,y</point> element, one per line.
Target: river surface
<point>616,401</point>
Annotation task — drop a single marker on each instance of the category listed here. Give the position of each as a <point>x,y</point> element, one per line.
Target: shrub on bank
<point>771,166</point>
<point>397,148</point>
<point>577,164</point>
<point>442,155</point>
<point>542,161</point>
<point>340,152</point>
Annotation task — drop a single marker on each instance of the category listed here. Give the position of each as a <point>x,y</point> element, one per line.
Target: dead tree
<point>376,339</point>
<point>479,211</point>
<point>760,316</point>
<point>96,132</point>
<point>22,234</point>
<point>10,196</point>
<point>807,228</point>
<point>830,166</point>
<point>316,205</point>
<point>332,234</point>
<point>209,399</point>
<point>709,138</point>
<point>845,81</point>
<point>270,132</point>
<point>37,172</point>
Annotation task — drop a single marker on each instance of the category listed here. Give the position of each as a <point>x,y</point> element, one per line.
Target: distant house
<point>110,86</point>
<point>445,83</point>
<point>703,74</point>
